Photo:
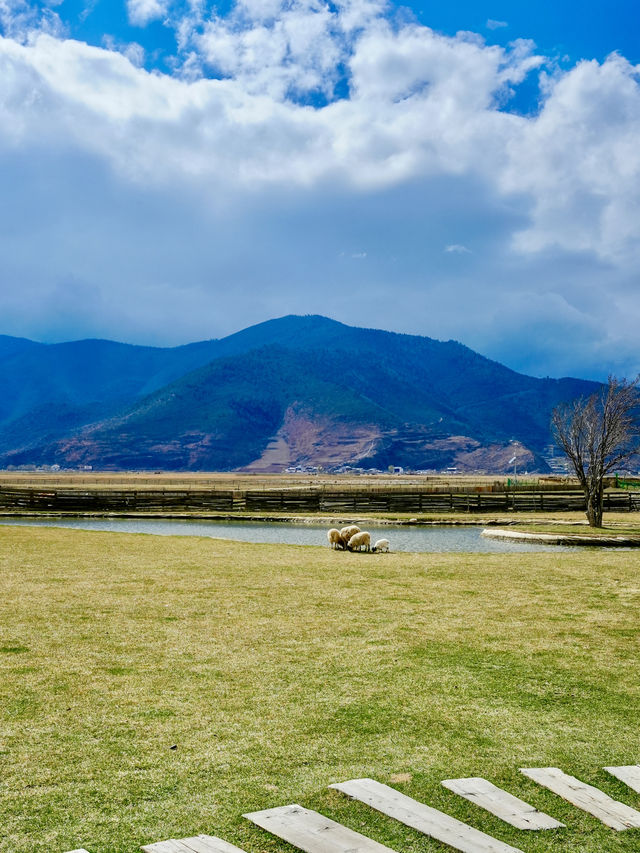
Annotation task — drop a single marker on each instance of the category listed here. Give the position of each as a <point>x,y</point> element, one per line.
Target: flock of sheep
<point>351,538</point>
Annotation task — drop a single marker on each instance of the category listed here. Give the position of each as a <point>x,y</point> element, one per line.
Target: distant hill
<point>296,390</point>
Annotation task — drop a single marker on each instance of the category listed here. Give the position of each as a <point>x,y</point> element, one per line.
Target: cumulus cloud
<point>580,163</point>
<point>495,25</point>
<point>156,127</point>
<point>134,52</point>
<point>290,130</point>
<point>18,18</point>
<point>141,12</point>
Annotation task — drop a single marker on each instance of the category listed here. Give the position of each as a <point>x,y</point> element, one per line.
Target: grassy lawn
<point>155,687</point>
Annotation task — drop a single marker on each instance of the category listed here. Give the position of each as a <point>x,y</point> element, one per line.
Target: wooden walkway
<point>630,775</point>
<point>501,804</point>
<point>592,800</point>
<point>312,832</point>
<point>425,819</point>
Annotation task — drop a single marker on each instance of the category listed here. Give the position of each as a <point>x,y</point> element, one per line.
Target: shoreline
<point>565,538</point>
<point>264,518</point>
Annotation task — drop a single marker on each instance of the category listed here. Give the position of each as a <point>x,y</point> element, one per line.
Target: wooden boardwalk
<point>501,804</point>
<point>425,819</point>
<point>312,832</point>
<point>592,800</point>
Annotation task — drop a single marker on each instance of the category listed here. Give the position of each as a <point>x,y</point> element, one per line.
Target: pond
<point>402,538</point>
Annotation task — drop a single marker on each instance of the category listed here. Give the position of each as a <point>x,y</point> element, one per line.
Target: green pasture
<point>155,687</point>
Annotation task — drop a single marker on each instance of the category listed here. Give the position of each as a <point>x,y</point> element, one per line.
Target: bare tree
<point>598,433</point>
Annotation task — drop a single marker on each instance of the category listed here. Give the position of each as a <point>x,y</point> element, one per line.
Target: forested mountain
<point>297,390</point>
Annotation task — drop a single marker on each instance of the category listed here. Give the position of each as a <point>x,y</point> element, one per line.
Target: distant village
<point>558,465</point>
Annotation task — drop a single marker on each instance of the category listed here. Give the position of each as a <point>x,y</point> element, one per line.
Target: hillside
<point>297,390</point>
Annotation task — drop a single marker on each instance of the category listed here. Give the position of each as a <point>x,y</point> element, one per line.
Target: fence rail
<point>305,500</point>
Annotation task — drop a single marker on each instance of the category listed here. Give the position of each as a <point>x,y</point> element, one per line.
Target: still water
<point>428,538</point>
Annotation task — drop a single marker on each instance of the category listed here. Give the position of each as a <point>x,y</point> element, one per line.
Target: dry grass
<point>239,480</point>
<point>274,671</point>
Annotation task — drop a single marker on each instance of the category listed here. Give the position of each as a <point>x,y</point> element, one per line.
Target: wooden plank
<point>312,832</point>
<point>630,775</point>
<point>210,844</point>
<point>171,845</point>
<point>501,804</point>
<point>195,844</point>
<point>430,821</point>
<point>612,813</point>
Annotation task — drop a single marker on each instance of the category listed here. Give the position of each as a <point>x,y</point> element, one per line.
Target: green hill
<point>288,391</point>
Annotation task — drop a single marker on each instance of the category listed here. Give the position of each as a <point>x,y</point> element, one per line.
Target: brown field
<point>244,481</point>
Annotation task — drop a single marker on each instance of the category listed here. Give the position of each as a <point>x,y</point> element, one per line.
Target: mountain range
<point>292,391</point>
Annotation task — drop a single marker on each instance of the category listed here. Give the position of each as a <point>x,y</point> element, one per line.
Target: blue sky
<point>564,29</point>
<point>173,170</point>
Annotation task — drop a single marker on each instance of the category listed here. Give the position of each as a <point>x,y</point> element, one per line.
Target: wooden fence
<point>330,502</point>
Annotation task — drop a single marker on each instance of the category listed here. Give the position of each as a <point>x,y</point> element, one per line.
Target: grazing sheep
<point>381,545</point>
<point>348,531</point>
<point>336,540</point>
<point>359,541</point>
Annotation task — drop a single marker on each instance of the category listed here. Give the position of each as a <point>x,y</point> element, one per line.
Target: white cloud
<point>132,50</point>
<point>495,25</point>
<point>142,12</point>
<point>19,18</point>
<point>580,162</point>
<point>560,189</point>
<point>88,9</point>
<point>283,48</point>
<point>457,249</point>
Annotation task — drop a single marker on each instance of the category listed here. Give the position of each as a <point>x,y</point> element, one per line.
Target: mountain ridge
<point>287,384</point>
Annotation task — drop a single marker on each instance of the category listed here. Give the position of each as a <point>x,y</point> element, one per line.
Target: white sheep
<point>381,545</point>
<point>348,531</point>
<point>360,540</point>
<point>336,540</point>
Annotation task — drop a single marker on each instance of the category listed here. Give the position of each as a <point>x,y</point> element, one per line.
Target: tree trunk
<point>594,507</point>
